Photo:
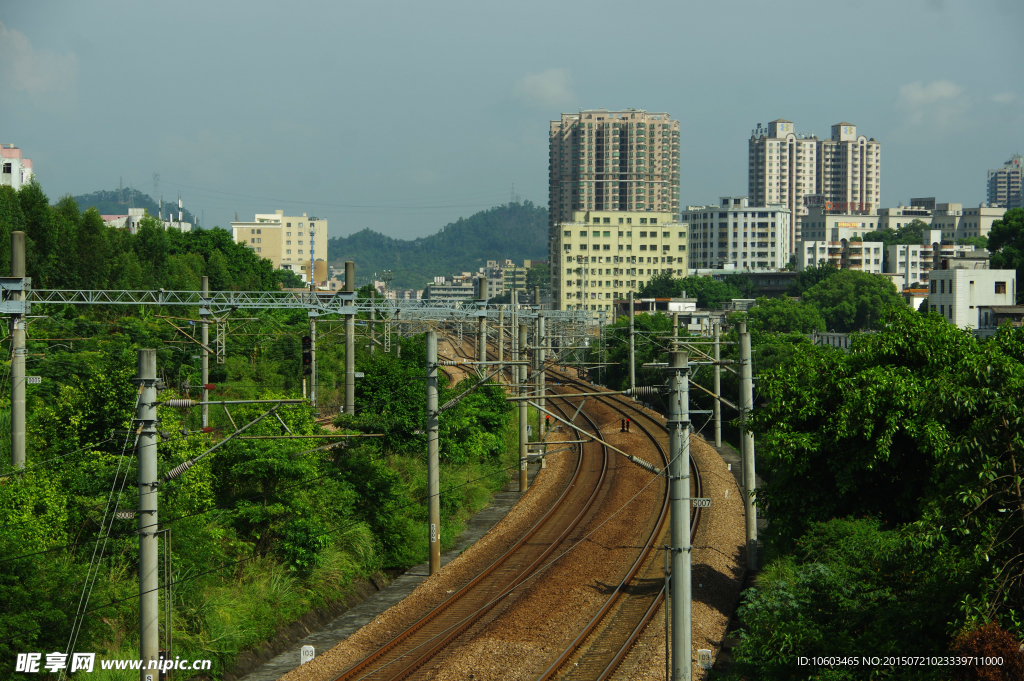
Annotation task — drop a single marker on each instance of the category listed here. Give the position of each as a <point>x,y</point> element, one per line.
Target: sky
<point>403,116</point>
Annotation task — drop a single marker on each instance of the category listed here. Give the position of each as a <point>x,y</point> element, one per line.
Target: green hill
<point>516,231</point>
<point>110,203</point>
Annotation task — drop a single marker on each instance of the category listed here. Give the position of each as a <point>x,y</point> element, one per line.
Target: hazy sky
<point>403,116</point>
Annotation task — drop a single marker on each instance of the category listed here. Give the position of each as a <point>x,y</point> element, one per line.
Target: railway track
<point>597,651</point>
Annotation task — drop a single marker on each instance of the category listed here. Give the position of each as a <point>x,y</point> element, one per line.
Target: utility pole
<point>718,384</point>
<point>541,383</point>
<point>481,330</point>
<point>18,356</point>
<point>312,352</point>
<point>524,438</point>
<point>433,466</point>
<point>501,342</point>
<point>204,350</point>
<point>675,325</point>
<point>373,319</point>
<point>149,582</point>
<point>350,342</point>
<point>632,347</point>
<point>680,503</point>
<point>747,443</point>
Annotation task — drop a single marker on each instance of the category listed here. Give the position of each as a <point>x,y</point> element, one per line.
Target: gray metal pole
<point>524,438</point>
<point>433,465</point>
<point>18,358</point>
<point>718,384</point>
<point>680,503</point>
<point>373,320</point>
<point>632,347</point>
<point>541,383</point>
<point>350,343</point>
<point>501,342</point>
<point>312,365</point>
<point>747,441</point>
<point>149,580</point>
<point>204,352</point>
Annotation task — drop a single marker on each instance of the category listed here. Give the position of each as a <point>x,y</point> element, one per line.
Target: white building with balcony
<point>960,292</point>
<point>16,171</point>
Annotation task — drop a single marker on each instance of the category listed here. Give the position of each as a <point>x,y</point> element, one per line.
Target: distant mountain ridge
<point>110,203</point>
<point>516,231</point>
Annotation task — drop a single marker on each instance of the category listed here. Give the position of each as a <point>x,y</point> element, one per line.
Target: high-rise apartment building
<point>842,171</point>
<point>1004,184</point>
<point>292,243</point>
<point>782,171</point>
<point>612,161</point>
<point>849,168</point>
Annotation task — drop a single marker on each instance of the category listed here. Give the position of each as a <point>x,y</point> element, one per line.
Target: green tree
<point>539,275</point>
<point>289,279</point>
<point>976,241</point>
<point>853,301</point>
<point>1006,243</point>
<point>708,291</point>
<point>785,315</point>
<point>811,277</point>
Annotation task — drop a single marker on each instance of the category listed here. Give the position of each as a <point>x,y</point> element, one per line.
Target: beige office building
<point>598,257</point>
<point>291,243</point>
<point>625,161</point>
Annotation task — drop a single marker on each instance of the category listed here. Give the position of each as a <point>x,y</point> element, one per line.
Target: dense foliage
<point>892,496</point>
<point>852,301</point>
<point>708,291</point>
<point>262,531</point>
<point>517,231</point>
<point>1006,242</point>
<point>68,249</point>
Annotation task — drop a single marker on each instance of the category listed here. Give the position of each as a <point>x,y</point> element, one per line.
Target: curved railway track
<point>599,649</point>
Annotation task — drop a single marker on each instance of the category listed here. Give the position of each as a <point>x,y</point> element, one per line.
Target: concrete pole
<point>541,382</point>
<point>433,464</point>
<point>204,352</point>
<point>501,342</point>
<point>680,507</point>
<point>747,442</point>
<point>350,343</point>
<point>675,325</point>
<point>149,580</point>
<point>312,365</point>
<point>524,438</point>
<point>718,384</point>
<point>18,358</point>
<point>373,321</point>
<point>632,347</point>
<point>481,325</point>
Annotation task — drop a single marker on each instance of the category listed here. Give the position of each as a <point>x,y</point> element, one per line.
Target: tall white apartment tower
<point>782,166</point>
<point>849,170</point>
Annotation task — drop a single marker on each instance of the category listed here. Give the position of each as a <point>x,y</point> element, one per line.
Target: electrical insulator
<point>181,403</point>
<point>307,355</point>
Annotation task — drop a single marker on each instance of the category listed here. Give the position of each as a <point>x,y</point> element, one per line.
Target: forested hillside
<point>516,231</point>
<point>117,202</point>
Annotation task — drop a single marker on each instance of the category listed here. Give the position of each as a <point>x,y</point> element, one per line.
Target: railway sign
<point>306,654</point>
<point>704,658</point>
<point>701,503</point>
<point>32,380</point>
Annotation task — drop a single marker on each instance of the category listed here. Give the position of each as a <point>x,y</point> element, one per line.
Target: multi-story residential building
<point>900,216</point>
<point>625,161</point>
<point>956,223</point>
<point>16,171</point>
<point>599,256</point>
<point>782,171</point>
<point>845,253</point>
<point>822,221</point>
<point>917,261</point>
<point>133,218</point>
<point>291,243</point>
<point>1004,184</point>
<point>959,292</point>
<point>849,168</point>
<point>737,235</point>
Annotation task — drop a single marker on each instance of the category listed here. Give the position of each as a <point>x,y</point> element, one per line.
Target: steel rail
<point>609,657</point>
<point>426,650</point>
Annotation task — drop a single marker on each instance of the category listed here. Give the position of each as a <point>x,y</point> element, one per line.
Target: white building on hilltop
<point>17,171</point>
<point>134,217</point>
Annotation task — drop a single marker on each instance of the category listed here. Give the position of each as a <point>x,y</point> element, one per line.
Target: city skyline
<point>248,132</point>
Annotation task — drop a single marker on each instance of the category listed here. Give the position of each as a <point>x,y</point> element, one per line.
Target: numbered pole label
<point>701,503</point>
<point>433,533</point>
